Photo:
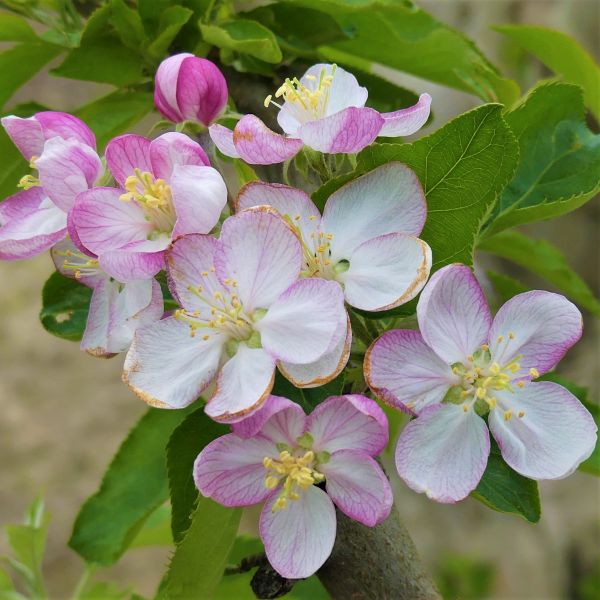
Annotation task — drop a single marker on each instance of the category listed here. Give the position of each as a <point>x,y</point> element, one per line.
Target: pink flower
<point>187,88</point>
<point>243,312</point>
<point>62,149</point>
<point>279,456</point>
<point>324,110</point>
<point>169,191</point>
<point>463,366</point>
<point>116,309</point>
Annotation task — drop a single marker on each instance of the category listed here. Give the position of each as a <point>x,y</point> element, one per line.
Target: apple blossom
<point>463,366</point>
<point>243,311</point>
<point>283,458</point>
<point>168,190</point>
<point>324,110</point>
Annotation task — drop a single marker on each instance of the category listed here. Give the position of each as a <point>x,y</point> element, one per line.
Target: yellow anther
<point>508,415</point>
<point>481,393</point>
<point>470,358</point>
<point>212,269</point>
<point>28,181</point>
<point>521,414</point>
<point>500,339</point>
<point>485,347</point>
<point>521,384</point>
<point>204,273</point>
<point>312,218</point>
<point>511,335</point>
<point>268,100</point>
<point>465,408</point>
<point>205,337</point>
<point>534,373</point>
<point>492,402</point>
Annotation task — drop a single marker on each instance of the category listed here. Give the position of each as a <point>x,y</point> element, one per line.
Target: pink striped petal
<point>348,131</point>
<point>403,371</point>
<point>25,134</point>
<point>406,120</point>
<point>165,87</point>
<point>453,313</point>
<point>299,538</point>
<point>349,422</point>
<point>223,140</point>
<point>230,470</point>
<point>443,452</point>
<point>131,266</point>
<point>358,486</point>
<point>258,145</point>
<point>173,149</point>
<point>126,153</point>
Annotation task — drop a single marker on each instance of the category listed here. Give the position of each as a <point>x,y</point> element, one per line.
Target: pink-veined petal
<point>130,266</point>
<point>403,371</point>
<point>299,538</point>
<point>199,196</point>
<point>453,313</point>
<point>348,422</point>
<point>358,486</point>
<point>543,327</point>
<point>443,452</point>
<point>66,168</point>
<point>347,132</point>
<point>165,86</point>
<point>406,120</point>
<point>304,321</point>
<point>65,125</point>
<point>388,199</point>
<point>258,145</point>
<point>95,336</point>
<point>174,149</point>
<point>260,251</point>
<point>548,434</point>
<point>167,367</point>
<point>25,134</point>
<point>126,153</point>
<point>243,384</point>
<point>386,272</point>
<point>230,470</point>
<point>222,138</point>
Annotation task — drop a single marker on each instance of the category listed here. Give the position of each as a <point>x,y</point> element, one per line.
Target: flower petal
<point>199,196</point>
<point>443,452</point>
<point>173,149</point>
<point>278,419</point>
<point>287,201</point>
<point>549,433</point>
<point>104,223</point>
<point>66,126</point>
<point>260,251</point>
<point>348,422</point>
<point>358,486</point>
<point>168,368</point>
<point>30,223</point>
<point>386,272</point>
<point>222,138</point>
<point>403,371</point>
<point>302,323</point>
<point>230,470</point>
<point>71,262</point>
<point>126,153</point>
<point>406,120</point>
<point>25,134</point>
<point>388,199</point>
<point>544,326</point>
<point>131,266</point>
<point>243,384</point>
<point>347,132</point>
<point>453,314</point>
<point>322,370</point>
<point>66,168</point>
<point>258,145</point>
<point>299,538</point>
<point>165,86</point>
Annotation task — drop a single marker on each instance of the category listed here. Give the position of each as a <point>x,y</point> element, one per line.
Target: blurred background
<point>65,413</point>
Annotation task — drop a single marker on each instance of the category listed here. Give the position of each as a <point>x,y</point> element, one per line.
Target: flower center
<point>154,197</point>
<point>28,181</point>
<point>483,375</point>
<point>80,264</point>
<point>307,102</point>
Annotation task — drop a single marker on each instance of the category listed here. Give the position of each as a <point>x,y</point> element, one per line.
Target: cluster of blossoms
<point>264,283</point>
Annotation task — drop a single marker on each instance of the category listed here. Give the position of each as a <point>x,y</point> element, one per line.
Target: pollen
<point>508,415</point>
<point>534,373</point>
<point>521,414</point>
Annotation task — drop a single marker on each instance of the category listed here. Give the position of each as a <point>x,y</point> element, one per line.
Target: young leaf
<point>134,485</point>
<point>563,55</point>
<point>559,158</point>
<point>199,560</point>
<point>545,260</point>
<point>186,442</point>
<point>15,29</point>
<point>128,25</point>
<point>244,36</point>
<point>65,304</point>
<point>504,490</point>
<point>171,22</point>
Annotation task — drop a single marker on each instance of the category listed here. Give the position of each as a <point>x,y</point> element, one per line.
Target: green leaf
<point>385,96</point>
<point>156,530</point>
<point>504,490</point>
<point>505,287</point>
<point>128,25</point>
<point>15,29</point>
<point>406,38</point>
<point>545,260</point>
<point>13,166</point>
<point>115,113</point>
<point>559,158</point>
<point>171,22</point>
<point>186,442</point>
<point>244,36</point>
<point>199,560</point>
<point>134,485</point>
<point>563,55</point>
<point>20,63</point>
<point>65,304</point>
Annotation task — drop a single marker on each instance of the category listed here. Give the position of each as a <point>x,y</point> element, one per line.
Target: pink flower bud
<point>188,88</point>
